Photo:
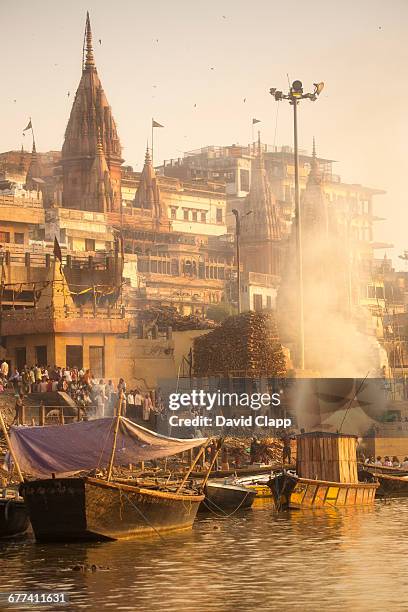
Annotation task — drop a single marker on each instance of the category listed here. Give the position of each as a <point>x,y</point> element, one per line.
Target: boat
<point>14,519</point>
<point>64,504</point>
<point>249,470</point>
<point>391,485</point>
<point>257,483</point>
<point>67,509</point>
<point>290,491</point>
<point>221,496</point>
<point>326,475</point>
<point>383,469</point>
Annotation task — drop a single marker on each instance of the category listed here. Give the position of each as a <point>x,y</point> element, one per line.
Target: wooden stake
<point>3,426</point>
<point>115,437</point>
<point>202,450</point>
<point>220,443</point>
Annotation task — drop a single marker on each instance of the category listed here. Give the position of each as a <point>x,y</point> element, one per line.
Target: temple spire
<point>314,174</point>
<point>89,58</point>
<point>148,159</point>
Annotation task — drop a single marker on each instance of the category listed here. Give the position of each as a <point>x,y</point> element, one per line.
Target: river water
<point>354,559</point>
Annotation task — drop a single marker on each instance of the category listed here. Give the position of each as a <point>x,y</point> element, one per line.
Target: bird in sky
<point>195,105</point>
<point>100,41</point>
<point>68,94</point>
<point>211,68</point>
<point>244,99</point>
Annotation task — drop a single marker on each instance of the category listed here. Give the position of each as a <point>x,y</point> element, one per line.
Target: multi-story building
<point>351,204</point>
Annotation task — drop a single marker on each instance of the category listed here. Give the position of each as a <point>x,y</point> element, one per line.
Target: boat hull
<point>66,509</point>
<point>391,486</point>
<point>14,519</point>
<point>227,497</point>
<point>289,491</point>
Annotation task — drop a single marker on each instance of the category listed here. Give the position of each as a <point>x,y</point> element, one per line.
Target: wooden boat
<point>14,519</point>
<point>87,508</point>
<point>64,509</point>
<point>249,470</point>
<point>290,491</point>
<point>221,496</point>
<point>257,483</point>
<point>326,475</point>
<point>391,485</point>
<point>383,469</point>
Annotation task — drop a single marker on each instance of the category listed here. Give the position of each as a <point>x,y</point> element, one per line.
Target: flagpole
<point>32,132</point>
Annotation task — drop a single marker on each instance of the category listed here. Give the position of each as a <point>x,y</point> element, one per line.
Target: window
<point>41,355</point>
<point>219,215</point>
<point>173,213</point>
<point>257,301</point>
<point>269,302</point>
<point>203,217</point>
<point>4,236</point>
<point>185,214</point>
<point>18,238</point>
<point>195,215</point>
<point>89,244</point>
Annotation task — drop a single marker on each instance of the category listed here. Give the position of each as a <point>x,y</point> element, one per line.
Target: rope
<point>141,514</point>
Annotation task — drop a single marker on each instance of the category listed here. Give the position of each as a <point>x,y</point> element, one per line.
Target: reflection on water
<point>338,559</point>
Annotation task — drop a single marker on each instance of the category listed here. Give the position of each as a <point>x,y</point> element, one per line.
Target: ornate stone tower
<point>34,179</point>
<point>314,206</point>
<point>260,229</point>
<point>91,153</point>
<point>148,197</point>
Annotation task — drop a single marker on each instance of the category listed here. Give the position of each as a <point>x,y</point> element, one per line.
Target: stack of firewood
<point>267,450</point>
<point>168,316</point>
<point>245,345</point>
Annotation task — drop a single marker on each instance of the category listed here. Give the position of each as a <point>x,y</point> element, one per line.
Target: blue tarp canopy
<point>65,449</point>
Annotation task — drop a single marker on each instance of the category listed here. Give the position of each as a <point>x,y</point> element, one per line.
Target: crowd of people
<point>388,461</point>
<point>97,397</point>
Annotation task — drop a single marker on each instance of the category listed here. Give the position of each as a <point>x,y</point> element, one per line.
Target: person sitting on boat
<point>395,462</point>
<point>404,464</point>
<point>387,461</point>
<point>378,460</point>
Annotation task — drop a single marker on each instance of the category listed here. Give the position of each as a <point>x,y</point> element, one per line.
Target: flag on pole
<point>155,124</point>
<point>29,126</point>
<point>57,250</point>
<point>255,121</point>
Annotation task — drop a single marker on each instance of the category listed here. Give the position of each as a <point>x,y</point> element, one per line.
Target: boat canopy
<point>66,449</point>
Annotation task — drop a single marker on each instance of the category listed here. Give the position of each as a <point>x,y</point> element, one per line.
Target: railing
<point>20,256</point>
<point>34,314</point>
<point>9,200</point>
<point>42,418</point>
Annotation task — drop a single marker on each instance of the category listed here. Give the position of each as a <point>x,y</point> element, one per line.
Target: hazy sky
<point>155,59</point>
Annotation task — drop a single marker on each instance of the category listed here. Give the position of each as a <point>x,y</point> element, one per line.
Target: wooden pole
<point>220,443</point>
<point>41,414</point>
<point>202,450</point>
<point>115,437</point>
<point>5,432</point>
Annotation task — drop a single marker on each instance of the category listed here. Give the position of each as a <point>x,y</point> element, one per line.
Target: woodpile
<point>243,345</point>
<point>168,316</point>
<point>267,450</point>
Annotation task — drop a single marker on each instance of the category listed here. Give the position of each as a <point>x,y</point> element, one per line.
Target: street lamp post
<point>294,96</point>
<point>237,250</point>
